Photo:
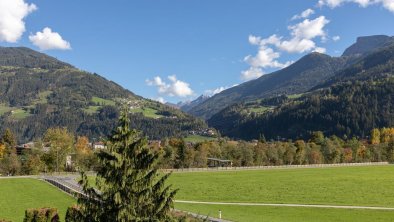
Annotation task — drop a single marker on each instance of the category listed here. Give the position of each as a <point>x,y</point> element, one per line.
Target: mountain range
<point>308,72</point>
<point>345,96</point>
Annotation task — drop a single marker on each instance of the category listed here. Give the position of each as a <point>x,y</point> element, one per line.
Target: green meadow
<point>198,138</point>
<point>19,194</point>
<point>350,186</point>
<point>353,186</point>
<point>362,186</point>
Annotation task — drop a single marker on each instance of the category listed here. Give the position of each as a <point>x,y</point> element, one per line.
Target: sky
<point>176,50</point>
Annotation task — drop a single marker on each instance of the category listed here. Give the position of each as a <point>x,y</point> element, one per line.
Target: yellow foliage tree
<point>2,150</point>
<point>375,136</point>
<point>82,145</point>
<point>386,134</point>
<point>61,142</point>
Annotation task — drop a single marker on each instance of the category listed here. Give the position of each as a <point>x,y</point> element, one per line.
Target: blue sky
<point>200,44</point>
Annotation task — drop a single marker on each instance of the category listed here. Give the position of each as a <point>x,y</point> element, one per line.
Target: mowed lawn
<point>357,186</point>
<point>360,186</point>
<point>18,194</point>
<point>288,214</point>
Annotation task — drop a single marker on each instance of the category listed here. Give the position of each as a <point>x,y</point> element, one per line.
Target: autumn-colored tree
<point>390,150</point>
<point>317,137</point>
<point>385,135</point>
<point>315,156</point>
<point>300,152</point>
<point>201,155</point>
<point>2,151</point>
<point>8,138</point>
<point>10,165</point>
<point>82,145</point>
<point>363,154</point>
<point>32,163</point>
<point>85,157</point>
<point>61,142</point>
<point>347,155</point>
<point>375,136</point>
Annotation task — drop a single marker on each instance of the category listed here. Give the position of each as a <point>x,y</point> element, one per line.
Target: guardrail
<point>274,167</point>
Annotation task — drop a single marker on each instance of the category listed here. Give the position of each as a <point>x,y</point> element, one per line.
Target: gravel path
<point>286,205</point>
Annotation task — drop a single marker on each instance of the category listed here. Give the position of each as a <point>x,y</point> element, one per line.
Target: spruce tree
<point>129,185</point>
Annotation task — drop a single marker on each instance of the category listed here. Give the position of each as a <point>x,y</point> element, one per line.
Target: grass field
<point>147,112</point>
<point>43,97</point>
<point>363,186</point>
<point>352,186</point>
<point>20,113</point>
<point>357,186</point>
<point>260,109</point>
<point>16,195</point>
<point>92,109</point>
<point>103,102</point>
<point>289,214</point>
<point>4,108</point>
<point>295,96</point>
<point>198,138</point>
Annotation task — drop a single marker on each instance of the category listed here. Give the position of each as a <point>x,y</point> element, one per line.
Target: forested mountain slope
<point>299,77</point>
<point>38,91</point>
<point>351,103</point>
<point>308,72</point>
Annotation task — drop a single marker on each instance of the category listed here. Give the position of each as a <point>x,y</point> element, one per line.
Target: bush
<point>29,215</point>
<point>73,214</point>
<point>41,215</point>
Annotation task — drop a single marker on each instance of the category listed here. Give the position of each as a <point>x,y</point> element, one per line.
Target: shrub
<point>41,215</point>
<point>73,214</point>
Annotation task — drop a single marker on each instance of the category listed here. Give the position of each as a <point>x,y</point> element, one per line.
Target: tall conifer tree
<point>130,187</point>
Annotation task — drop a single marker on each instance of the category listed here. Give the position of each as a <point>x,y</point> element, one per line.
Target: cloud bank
<point>387,4</point>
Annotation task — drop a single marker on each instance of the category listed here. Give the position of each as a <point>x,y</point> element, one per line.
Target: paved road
<point>286,205</point>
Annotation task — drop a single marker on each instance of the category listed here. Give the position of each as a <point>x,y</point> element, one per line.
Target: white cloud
<point>12,13</point>
<point>47,40</point>
<point>266,57</point>
<point>336,38</point>
<point>305,14</point>
<point>211,92</point>
<point>319,50</point>
<point>175,87</point>
<point>297,45</point>
<point>309,29</point>
<point>252,73</point>
<point>160,100</point>
<point>387,4</point>
<point>301,40</point>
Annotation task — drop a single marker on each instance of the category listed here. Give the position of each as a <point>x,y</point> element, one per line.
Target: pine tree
<point>8,138</point>
<point>130,186</point>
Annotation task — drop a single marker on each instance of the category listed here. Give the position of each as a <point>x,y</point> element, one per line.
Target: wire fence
<point>275,167</point>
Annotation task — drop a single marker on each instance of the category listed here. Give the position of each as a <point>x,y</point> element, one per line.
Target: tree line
<point>50,153</point>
